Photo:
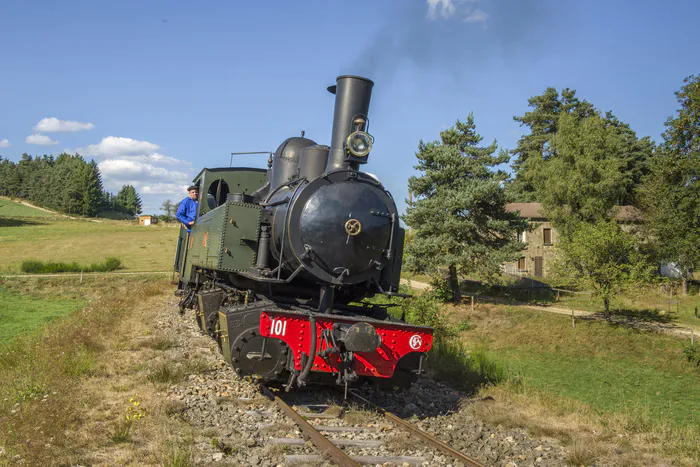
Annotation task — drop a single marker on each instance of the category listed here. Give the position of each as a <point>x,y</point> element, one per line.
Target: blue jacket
<point>187,211</point>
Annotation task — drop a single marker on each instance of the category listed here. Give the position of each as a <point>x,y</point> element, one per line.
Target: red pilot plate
<point>398,340</point>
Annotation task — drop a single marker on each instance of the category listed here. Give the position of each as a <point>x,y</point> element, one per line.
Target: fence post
<point>558,295</point>
<point>573,319</point>
<point>472,304</point>
<point>81,276</point>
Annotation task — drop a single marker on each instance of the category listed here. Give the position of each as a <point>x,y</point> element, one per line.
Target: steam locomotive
<point>278,261</point>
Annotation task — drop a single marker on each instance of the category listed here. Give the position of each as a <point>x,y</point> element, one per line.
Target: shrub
<point>40,267</point>
<point>425,310</point>
<point>692,354</point>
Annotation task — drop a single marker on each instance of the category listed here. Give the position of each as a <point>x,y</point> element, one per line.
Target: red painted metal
<point>398,340</point>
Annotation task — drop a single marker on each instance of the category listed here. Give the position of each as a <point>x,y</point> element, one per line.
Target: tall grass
<point>452,361</point>
<point>40,371</point>
<point>40,267</point>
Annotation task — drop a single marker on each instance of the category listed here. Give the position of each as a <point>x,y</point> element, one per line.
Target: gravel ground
<point>234,423</point>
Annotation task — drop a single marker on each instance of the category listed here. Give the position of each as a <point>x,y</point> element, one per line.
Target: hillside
<point>14,208</point>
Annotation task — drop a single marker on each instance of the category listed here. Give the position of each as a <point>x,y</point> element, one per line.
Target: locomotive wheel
<point>247,356</point>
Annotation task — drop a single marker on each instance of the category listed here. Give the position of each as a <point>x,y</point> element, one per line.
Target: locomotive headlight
<point>359,144</point>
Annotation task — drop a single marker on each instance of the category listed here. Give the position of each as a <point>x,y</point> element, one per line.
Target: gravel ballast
<point>236,425</point>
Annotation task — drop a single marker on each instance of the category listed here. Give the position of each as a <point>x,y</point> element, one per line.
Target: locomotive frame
<point>278,261</point>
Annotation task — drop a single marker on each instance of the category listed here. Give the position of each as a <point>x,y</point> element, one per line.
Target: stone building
<point>541,242</point>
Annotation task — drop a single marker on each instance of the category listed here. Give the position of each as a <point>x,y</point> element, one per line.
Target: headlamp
<point>359,144</point>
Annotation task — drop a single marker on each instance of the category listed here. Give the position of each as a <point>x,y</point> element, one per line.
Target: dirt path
<point>686,330</point>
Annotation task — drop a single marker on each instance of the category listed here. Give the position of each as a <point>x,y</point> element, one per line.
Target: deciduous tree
<point>672,191</point>
<point>543,123</point>
<point>587,177</point>
<point>167,208</point>
<point>604,257</point>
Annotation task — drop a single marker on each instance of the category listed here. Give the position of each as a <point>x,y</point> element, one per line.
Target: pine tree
<point>9,178</point>
<point>74,186</point>
<point>121,199</point>
<point>458,216</point>
<point>135,202</point>
<point>24,171</point>
<point>543,122</point>
<point>92,189</point>
<point>129,201</point>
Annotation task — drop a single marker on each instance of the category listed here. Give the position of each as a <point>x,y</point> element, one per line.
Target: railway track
<point>330,448</point>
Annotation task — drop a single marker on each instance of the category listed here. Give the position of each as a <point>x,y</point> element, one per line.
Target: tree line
<point>580,163</point>
<point>67,184</point>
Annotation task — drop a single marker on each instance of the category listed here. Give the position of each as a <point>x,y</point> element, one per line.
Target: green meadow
<point>27,235</point>
<point>22,312</point>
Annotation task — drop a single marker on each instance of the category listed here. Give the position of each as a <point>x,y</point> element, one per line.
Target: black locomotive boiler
<point>278,261</point>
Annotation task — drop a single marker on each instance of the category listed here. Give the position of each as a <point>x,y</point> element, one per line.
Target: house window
<point>547,236</point>
<point>521,264</point>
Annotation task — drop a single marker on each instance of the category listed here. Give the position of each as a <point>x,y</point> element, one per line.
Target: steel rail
<point>420,433</point>
<point>323,444</point>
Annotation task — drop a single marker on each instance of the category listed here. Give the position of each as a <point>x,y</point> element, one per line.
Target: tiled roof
<point>531,210</point>
<point>628,213</point>
<point>534,211</point>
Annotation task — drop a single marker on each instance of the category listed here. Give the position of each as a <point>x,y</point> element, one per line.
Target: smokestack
<point>352,96</point>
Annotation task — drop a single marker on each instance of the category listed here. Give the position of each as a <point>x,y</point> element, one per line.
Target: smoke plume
<point>455,35</point>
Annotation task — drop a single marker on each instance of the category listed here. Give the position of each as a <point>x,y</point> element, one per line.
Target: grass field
<point>15,209</point>
<point>22,312</point>
<point>612,368</point>
<point>28,237</point>
<point>632,389</point>
<point>621,379</point>
<point>652,303</point>
<point>42,375</point>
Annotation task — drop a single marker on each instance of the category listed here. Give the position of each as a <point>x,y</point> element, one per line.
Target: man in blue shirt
<point>187,209</point>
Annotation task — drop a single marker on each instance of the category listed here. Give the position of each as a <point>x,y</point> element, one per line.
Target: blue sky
<point>156,90</point>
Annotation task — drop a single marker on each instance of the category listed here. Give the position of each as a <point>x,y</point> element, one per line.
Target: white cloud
<point>445,9</point>
<point>131,170</point>
<point>4,143</point>
<point>54,125</point>
<point>116,146</point>
<point>476,16</point>
<point>173,189</point>
<point>42,140</point>
<point>442,8</point>
<point>157,158</point>
<point>153,183</point>
<point>127,161</point>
